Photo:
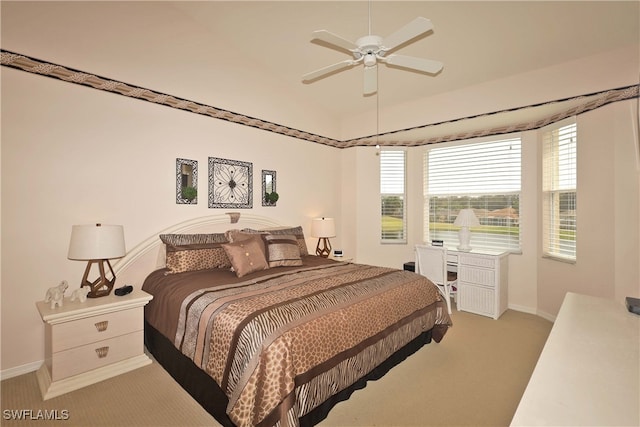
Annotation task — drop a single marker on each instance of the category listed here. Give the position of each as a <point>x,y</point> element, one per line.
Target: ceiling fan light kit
<point>370,50</point>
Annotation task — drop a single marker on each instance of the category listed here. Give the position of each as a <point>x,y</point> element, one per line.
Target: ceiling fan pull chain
<point>369,17</point>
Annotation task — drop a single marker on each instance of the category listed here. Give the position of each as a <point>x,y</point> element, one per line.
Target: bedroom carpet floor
<point>474,377</point>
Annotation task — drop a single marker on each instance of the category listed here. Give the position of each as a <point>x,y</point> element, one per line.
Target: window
<point>392,197</point>
<point>483,176</point>
<point>559,182</point>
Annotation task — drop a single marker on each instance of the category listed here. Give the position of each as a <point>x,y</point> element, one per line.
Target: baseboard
<point>547,316</point>
<point>523,309</point>
<point>20,370</point>
<point>530,310</point>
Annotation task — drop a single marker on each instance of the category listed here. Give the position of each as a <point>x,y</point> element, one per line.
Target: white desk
<point>482,280</point>
<point>589,371</point>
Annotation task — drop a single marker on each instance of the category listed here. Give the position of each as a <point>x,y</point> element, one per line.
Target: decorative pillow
<point>236,235</point>
<point>295,231</point>
<point>283,250</point>
<point>246,256</point>
<point>192,252</point>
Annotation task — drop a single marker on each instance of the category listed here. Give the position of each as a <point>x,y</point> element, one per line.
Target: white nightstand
<point>91,341</point>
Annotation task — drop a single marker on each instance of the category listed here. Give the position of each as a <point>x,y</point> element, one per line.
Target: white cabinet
<point>91,341</point>
<point>482,281</point>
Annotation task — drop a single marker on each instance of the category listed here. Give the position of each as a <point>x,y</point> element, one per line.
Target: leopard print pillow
<point>192,252</point>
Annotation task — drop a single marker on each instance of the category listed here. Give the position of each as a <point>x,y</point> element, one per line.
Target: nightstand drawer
<point>95,355</point>
<point>96,328</point>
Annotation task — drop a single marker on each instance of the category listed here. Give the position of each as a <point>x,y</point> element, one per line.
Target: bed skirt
<point>211,397</point>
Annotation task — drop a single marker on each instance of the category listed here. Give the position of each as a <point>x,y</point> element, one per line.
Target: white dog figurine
<point>80,294</point>
<point>55,295</point>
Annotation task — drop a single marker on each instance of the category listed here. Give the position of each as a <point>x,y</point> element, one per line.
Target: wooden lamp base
<point>102,286</point>
<point>325,250</point>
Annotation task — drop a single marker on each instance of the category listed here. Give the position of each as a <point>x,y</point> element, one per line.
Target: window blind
<point>485,177</point>
<point>559,185</point>
<point>392,196</point>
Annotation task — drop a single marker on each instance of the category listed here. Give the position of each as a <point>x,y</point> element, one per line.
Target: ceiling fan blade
<point>370,80</point>
<point>413,29</point>
<point>334,39</point>
<point>420,64</point>
<point>328,70</point>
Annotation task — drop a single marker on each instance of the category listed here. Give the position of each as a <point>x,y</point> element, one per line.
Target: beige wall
<point>74,155</point>
<point>608,214</point>
<point>608,183</point>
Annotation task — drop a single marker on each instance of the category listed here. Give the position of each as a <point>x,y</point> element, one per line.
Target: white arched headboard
<point>149,255</point>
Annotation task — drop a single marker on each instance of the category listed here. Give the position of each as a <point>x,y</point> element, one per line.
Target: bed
<point>279,344</point>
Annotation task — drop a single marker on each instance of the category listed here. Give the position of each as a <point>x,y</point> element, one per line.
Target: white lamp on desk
<point>466,218</point>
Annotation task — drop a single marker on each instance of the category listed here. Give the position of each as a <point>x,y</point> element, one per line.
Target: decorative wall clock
<point>230,183</point>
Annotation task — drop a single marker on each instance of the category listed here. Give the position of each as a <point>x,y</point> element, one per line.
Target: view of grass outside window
<point>559,191</point>
<point>392,196</point>
<point>484,177</point>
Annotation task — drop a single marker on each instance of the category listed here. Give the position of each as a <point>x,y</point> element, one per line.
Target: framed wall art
<point>186,181</point>
<point>230,183</point>
<point>269,194</point>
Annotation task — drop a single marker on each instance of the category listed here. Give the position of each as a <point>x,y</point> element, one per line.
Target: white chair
<point>431,262</point>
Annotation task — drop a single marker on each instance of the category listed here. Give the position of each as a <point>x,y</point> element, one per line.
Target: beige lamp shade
<point>323,227</point>
<point>96,244</point>
<point>96,241</point>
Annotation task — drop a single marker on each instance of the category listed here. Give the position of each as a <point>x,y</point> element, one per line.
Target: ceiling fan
<point>371,50</point>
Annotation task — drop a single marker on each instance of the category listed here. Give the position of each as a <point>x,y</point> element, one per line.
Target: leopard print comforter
<point>280,343</point>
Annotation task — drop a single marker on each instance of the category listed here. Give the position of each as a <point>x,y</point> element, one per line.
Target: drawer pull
<point>102,326</point>
<point>102,352</point>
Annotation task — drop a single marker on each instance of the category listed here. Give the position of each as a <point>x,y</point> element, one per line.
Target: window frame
<point>552,191</point>
<point>402,194</point>
<point>487,239</point>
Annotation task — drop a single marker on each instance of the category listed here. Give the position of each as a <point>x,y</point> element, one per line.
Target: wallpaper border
<point>48,69</point>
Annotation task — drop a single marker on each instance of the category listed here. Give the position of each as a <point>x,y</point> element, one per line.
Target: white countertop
<point>589,370</point>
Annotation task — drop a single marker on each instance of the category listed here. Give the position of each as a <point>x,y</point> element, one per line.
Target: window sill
<point>559,258</point>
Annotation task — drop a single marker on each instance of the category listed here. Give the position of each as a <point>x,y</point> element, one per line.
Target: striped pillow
<point>282,250</point>
<point>297,232</point>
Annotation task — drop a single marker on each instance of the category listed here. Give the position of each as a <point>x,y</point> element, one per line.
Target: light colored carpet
<point>475,376</point>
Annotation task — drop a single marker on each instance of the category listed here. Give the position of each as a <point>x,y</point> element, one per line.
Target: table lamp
<point>97,244</point>
<point>323,228</point>
<point>466,218</point>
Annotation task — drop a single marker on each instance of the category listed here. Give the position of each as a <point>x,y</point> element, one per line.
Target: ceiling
<point>472,39</point>
<point>477,41</point>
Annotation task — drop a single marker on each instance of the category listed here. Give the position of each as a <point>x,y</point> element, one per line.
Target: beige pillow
<point>236,235</point>
<point>246,256</point>
<point>283,250</point>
